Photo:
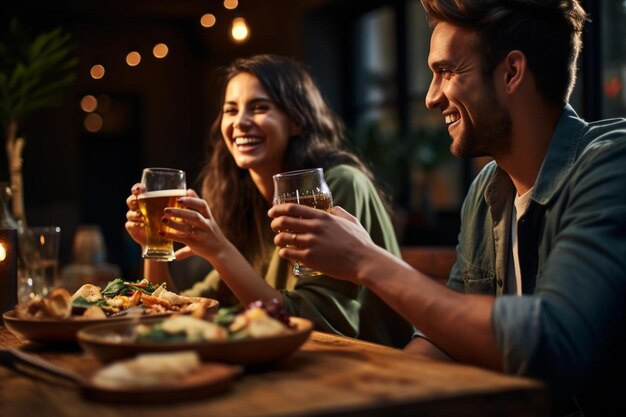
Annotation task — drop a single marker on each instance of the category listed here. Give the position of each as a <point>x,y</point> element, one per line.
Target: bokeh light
<point>160,50</point>
<point>97,72</point>
<point>239,30</point>
<point>133,58</point>
<point>93,122</point>
<point>207,20</point>
<point>88,103</point>
<point>231,4</point>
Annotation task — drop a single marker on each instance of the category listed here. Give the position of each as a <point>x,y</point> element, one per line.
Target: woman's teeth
<point>247,141</point>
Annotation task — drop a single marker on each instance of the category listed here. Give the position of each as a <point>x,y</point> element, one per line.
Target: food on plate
<point>117,298</point>
<point>148,369</point>
<point>89,292</point>
<point>58,305</point>
<point>259,319</point>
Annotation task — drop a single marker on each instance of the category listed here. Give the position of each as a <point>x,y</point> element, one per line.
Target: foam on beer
<point>163,193</point>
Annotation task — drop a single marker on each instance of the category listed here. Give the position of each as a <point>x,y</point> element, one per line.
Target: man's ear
<point>295,129</point>
<point>514,70</point>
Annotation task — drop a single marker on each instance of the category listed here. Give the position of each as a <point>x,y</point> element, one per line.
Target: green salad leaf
<point>82,302</point>
<point>120,287</point>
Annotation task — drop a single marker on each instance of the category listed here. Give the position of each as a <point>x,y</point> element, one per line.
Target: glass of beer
<point>308,187</point>
<point>163,186</point>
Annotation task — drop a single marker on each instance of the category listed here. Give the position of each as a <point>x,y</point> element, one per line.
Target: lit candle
<point>8,269</point>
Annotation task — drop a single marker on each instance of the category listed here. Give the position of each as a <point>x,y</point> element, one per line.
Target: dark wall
<point>159,114</point>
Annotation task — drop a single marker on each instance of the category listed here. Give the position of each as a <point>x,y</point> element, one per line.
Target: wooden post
<point>14,147</point>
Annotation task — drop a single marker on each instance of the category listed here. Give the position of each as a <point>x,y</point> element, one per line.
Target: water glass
<point>39,247</point>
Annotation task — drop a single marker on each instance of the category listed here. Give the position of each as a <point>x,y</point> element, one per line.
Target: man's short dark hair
<point>548,32</point>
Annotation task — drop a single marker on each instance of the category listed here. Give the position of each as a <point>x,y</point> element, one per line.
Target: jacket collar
<point>563,151</point>
<point>565,148</point>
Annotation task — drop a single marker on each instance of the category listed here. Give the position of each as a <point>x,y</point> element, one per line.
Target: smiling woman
<point>274,119</point>
<point>255,130</point>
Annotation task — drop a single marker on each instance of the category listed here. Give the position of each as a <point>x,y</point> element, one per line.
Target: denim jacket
<point>568,328</point>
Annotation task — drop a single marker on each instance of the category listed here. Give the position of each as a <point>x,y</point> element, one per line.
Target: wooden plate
<point>64,331</point>
<point>112,341</point>
<point>209,379</point>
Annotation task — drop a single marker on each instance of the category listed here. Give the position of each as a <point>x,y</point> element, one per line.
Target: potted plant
<point>35,72</point>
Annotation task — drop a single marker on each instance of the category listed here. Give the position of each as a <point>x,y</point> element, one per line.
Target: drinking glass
<point>163,186</point>
<point>40,255</point>
<point>308,187</point>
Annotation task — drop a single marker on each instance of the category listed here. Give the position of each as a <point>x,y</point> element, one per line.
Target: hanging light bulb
<point>239,31</point>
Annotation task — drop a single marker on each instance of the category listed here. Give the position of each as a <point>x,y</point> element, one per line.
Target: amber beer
<point>152,204</point>
<point>307,187</point>
<point>316,201</point>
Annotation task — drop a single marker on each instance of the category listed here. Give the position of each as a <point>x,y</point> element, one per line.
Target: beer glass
<point>308,187</point>
<point>163,186</point>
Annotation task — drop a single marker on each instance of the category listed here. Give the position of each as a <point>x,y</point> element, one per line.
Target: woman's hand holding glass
<point>135,225</point>
<point>194,226</point>
<point>185,224</point>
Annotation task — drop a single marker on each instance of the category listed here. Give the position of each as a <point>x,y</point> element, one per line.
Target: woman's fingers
<point>134,216</point>
<point>184,216</point>
<point>137,189</point>
<point>184,253</point>
<point>195,203</point>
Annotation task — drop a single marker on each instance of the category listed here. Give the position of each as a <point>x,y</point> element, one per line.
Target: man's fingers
<point>292,224</point>
<point>295,210</point>
<point>340,212</point>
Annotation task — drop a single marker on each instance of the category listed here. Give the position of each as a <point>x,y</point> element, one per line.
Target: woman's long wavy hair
<point>236,203</point>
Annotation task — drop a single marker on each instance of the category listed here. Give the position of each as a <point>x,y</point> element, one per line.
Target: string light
<point>93,122</point>
<point>88,103</point>
<point>160,50</point>
<point>133,58</point>
<point>231,4</point>
<point>239,31</point>
<point>207,20</point>
<point>97,72</point>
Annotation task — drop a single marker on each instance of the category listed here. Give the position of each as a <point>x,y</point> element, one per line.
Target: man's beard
<point>490,136</point>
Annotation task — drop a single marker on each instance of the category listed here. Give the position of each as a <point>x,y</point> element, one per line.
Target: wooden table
<point>329,376</point>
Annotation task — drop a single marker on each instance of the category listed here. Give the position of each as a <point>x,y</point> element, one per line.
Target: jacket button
<point>500,282</point>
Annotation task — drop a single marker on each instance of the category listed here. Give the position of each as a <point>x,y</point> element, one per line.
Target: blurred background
<point>143,95</point>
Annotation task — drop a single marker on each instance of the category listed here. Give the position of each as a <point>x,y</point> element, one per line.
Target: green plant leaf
<point>34,72</point>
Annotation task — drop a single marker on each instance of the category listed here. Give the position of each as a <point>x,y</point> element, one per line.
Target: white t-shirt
<point>514,274</point>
